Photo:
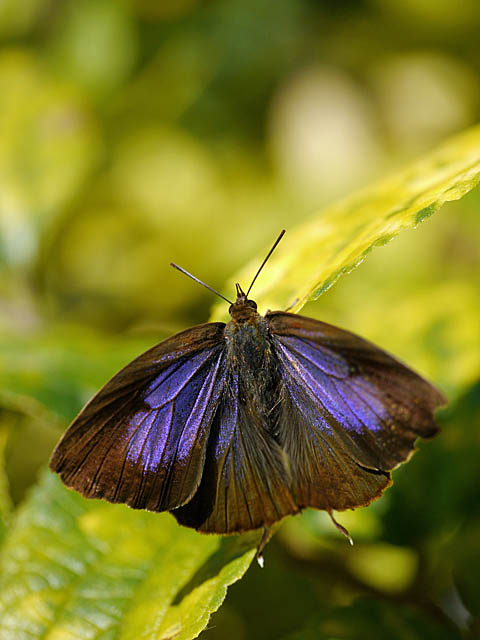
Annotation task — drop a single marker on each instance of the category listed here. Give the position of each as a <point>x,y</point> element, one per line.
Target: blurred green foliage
<point>85,568</point>
<point>136,132</point>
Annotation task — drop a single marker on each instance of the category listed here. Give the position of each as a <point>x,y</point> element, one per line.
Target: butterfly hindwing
<point>246,483</point>
<point>142,439</point>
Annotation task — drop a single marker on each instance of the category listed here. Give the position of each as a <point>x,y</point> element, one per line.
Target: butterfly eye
<point>252,304</point>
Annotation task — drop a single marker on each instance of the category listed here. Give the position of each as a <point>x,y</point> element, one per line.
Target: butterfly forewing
<point>374,406</point>
<point>142,439</point>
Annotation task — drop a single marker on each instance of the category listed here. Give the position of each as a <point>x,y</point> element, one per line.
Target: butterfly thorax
<point>248,343</point>
<point>246,335</point>
<point>252,360</point>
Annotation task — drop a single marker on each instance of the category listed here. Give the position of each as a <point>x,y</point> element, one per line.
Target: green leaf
<point>75,568</point>
<point>335,241</point>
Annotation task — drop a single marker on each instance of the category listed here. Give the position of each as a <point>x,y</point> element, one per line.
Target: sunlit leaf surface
<point>73,568</point>
<point>314,255</point>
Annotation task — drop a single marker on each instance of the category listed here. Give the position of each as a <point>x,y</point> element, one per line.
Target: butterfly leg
<point>340,527</point>
<point>266,535</point>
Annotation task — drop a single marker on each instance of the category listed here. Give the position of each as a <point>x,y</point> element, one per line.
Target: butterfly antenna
<point>175,266</point>
<point>268,256</point>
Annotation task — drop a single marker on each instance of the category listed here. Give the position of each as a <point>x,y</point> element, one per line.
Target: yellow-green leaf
<point>74,568</point>
<point>314,255</point>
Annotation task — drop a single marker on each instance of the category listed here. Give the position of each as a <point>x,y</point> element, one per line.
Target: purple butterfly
<point>233,426</point>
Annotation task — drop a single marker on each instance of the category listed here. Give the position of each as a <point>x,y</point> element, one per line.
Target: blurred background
<point>136,132</point>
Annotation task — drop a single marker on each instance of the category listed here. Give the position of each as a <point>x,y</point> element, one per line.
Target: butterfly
<point>231,427</point>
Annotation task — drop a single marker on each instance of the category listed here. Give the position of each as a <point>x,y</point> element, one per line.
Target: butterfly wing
<point>245,484</point>
<point>142,439</point>
<point>350,412</point>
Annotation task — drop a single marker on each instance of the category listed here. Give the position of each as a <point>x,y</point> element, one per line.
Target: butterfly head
<point>243,309</point>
